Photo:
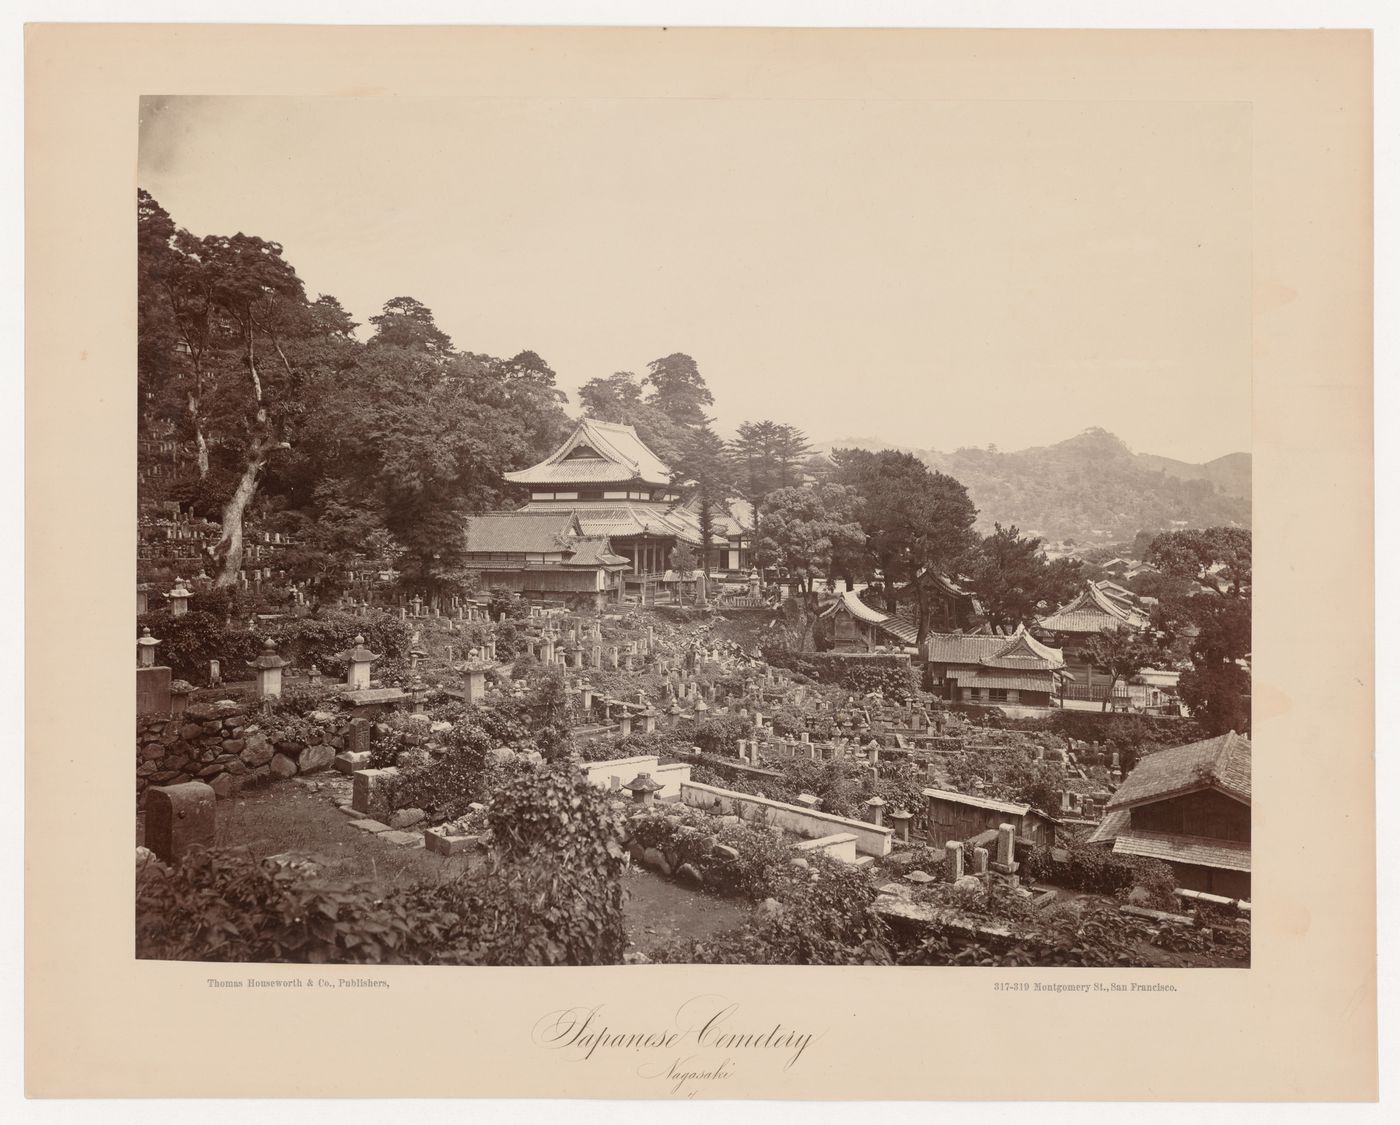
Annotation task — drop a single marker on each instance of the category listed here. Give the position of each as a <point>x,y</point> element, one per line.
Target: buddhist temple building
<point>618,492</point>
<point>544,557</point>
<point>994,671</point>
<point>1100,607</point>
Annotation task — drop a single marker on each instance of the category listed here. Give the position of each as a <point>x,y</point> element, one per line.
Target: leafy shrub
<point>561,854</point>
<point>891,674</point>
<point>190,641</point>
<point>392,735</point>
<point>823,917</point>
<point>554,898</point>
<point>448,783</point>
<point>226,907</point>
<point>1096,870</point>
<point>719,734</point>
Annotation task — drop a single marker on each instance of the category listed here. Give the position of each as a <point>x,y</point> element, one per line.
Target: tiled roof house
<point>1190,807</point>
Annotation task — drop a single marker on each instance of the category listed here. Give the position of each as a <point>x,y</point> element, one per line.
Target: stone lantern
<point>902,817</point>
<point>701,707</point>
<point>474,679</point>
<point>146,649</point>
<point>416,651</point>
<point>877,804</point>
<point>649,720</point>
<point>268,670</point>
<point>643,789</point>
<point>179,599</point>
<point>359,659</point>
<point>675,709</point>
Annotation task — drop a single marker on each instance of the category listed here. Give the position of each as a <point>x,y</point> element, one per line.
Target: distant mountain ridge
<point>1090,487</point>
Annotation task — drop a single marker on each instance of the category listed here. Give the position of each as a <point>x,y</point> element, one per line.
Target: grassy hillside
<point>1092,487</point>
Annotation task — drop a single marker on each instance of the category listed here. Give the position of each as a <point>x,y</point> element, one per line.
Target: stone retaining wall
<point>229,745</point>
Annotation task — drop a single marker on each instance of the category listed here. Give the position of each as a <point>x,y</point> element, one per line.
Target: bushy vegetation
<point>553,898</point>
<point>189,642</point>
<point>891,675</point>
<point>1095,869</point>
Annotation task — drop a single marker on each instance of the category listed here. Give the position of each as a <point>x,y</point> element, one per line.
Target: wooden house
<point>959,816</point>
<point>991,669</point>
<point>544,556</point>
<point>1190,807</point>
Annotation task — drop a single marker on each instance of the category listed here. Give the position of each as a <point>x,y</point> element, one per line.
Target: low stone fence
<point>669,777</point>
<point>870,840</point>
<point>230,745</point>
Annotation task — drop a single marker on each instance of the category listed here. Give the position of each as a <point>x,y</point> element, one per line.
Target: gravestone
<point>952,861</point>
<point>179,817</point>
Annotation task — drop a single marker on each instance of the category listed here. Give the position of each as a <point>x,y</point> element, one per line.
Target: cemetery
<point>659,787</point>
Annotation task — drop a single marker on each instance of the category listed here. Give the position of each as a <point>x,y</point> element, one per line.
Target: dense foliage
<point>189,642</point>
<point>889,674</point>
<point>554,897</point>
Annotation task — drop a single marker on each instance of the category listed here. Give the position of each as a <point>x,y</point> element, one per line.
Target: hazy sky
<point>934,274</point>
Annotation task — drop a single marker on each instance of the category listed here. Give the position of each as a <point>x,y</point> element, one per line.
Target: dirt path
<point>659,910</point>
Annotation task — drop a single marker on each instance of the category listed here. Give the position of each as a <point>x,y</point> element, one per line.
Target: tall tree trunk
<point>201,445</point>
<point>924,611</point>
<point>229,549</point>
<point>230,546</point>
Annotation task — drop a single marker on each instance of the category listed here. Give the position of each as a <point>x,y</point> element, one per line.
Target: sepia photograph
<point>621,531</point>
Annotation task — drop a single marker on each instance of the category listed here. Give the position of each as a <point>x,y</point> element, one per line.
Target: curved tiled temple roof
<point>856,608</point>
<point>1019,652</point>
<point>1093,611</point>
<point>597,453</point>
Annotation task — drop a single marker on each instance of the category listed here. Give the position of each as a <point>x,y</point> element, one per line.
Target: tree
<point>408,323</point>
<point>238,298</point>
<point>918,523</point>
<point>705,472</point>
<point>684,561</point>
<point>678,390</point>
<point>790,451</point>
<point>156,264</point>
<point>1218,557</point>
<point>1211,627</point>
<point>1122,653</point>
<point>806,526</point>
<point>766,457</point>
<point>1011,577</point>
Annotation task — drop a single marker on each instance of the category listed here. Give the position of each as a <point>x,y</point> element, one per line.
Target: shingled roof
<point>1019,652</point>
<point>1093,611</point>
<point>597,452</point>
<point>1201,851</point>
<point>535,533</point>
<point>1221,763</point>
<point>856,608</point>
<point>539,533</point>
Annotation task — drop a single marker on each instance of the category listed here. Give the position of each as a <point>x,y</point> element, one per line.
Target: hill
<point>1092,487</point>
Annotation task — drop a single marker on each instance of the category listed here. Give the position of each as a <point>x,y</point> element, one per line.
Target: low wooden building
<point>992,670</point>
<point>855,627</point>
<point>1189,806</point>
<point>545,557</point>
<point>960,816</point>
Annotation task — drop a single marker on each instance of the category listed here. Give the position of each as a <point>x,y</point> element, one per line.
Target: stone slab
<point>403,839</point>
<point>370,825</point>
